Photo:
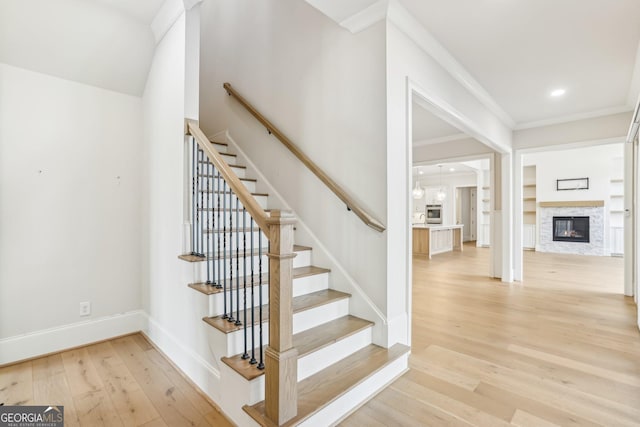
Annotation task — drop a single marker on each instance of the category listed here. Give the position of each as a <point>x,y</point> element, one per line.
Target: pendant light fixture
<point>418,192</point>
<point>441,195</point>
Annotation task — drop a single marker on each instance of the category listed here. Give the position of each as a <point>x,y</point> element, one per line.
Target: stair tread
<point>298,272</point>
<point>215,176</point>
<point>193,258</point>
<point>324,387</point>
<point>306,342</point>
<point>300,303</point>
<point>219,143</point>
<point>222,154</point>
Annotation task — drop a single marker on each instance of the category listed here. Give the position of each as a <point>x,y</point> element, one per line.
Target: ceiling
<point>521,50</point>
<point>141,10</point>
<point>434,170</point>
<point>103,43</point>
<point>427,128</point>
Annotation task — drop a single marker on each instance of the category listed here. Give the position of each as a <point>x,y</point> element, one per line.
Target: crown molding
<point>409,25</point>
<point>574,117</point>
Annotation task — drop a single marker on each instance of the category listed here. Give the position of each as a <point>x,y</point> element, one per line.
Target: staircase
<point>338,367</point>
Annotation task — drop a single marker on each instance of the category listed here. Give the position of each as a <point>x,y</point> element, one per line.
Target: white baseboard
<point>200,371</point>
<point>52,340</point>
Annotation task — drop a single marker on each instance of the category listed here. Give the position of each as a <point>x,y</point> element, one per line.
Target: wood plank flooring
<point>559,349</point>
<point>122,382</point>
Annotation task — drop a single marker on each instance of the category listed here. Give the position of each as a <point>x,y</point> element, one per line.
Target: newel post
<point>281,359</point>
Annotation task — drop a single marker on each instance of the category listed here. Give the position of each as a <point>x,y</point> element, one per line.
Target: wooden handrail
<point>352,205</point>
<point>248,201</point>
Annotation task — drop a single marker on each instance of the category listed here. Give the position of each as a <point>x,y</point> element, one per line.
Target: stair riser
<point>301,321</point>
<point>301,286</point>
<point>318,360</point>
<point>221,148</point>
<point>216,301</point>
<point>230,159</point>
<point>262,200</point>
<point>302,259</point>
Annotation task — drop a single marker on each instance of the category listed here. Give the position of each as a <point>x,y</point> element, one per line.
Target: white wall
<point>70,159</point>
<point>325,89</point>
<point>593,129</point>
<point>594,163</point>
<point>449,150</point>
<point>174,311</point>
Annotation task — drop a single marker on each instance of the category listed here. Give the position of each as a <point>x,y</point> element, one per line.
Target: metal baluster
<point>245,355</point>
<point>224,249</point>
<point>198,213</point>
<point>213,226</point>
<point>208,213</point>
<point>231,319</point>
<point>218,257</point>
<point>261,364</point>
<point>194,199</point>
<point>253,322</point>
<point>238,322</point>
<point>201,225</point>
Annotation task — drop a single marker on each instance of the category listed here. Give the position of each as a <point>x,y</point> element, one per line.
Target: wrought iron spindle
<point>194,197</point>
<point>196,226</point>
<point>231,319</point>
<point>208,214</point>
<point>224,249</point>
<point>213,226</point>
<point>200,188</point>
<point>238,322</point>
<point>261,364</point>
<point>218,237</point>
<point>245,355</point>
<point>253,321</point>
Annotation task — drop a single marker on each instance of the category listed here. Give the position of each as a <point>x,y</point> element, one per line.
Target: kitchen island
<point>429,240</point>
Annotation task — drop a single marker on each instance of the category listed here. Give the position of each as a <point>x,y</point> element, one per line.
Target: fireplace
<point>571,229</point>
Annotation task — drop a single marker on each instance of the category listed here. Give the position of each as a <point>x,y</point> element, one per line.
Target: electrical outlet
<point>85,308</point>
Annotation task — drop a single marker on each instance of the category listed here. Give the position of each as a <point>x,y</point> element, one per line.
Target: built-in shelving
<point>529,207</point>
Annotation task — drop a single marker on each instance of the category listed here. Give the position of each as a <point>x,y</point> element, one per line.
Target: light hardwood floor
<point>560,348</point>
<point>122,382</point>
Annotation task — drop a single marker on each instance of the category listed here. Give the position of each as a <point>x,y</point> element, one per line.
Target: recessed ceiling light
<point>420,172</point>
<point>452,169</point>
<point>558,92</point>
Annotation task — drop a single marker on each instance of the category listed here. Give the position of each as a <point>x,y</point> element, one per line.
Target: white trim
<point>409,25</point>
<point>574,117</point>
<point>167,15</point>
<point>441,139</point>
<point>634,87</point>
<point>59,338</point>
<point>178,353</point>
<point>448,113</point>
<point>366,17</point>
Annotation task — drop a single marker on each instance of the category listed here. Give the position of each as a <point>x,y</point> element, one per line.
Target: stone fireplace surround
<point>594,209</point>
